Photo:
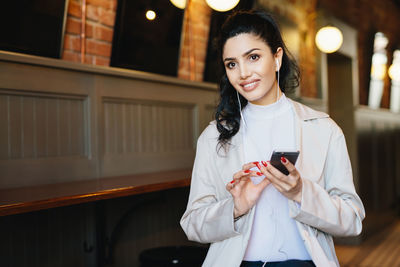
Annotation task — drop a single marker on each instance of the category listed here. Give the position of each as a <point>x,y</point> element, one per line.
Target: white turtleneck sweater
<point>274,235</point>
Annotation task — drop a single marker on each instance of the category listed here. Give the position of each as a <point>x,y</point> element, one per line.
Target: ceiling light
<point>222,5</point>
<point>150,14</point>
<point>179,3</point>
<point>329,39</point>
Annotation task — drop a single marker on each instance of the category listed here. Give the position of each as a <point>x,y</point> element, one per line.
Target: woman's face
<point>251,67</point>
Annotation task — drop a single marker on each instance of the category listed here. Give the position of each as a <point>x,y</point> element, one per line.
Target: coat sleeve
<point>207,218</point>
<point>336,208</point>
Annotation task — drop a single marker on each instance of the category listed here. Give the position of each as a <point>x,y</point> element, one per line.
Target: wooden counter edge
<point>24,207</point>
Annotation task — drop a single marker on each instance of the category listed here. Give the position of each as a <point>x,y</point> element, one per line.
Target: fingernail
<point>283,159</point>
<point>258,165</point>
<point>255,162</point>
<point>259,173</point>
<point>264,163</point>
<point>232,181</point>
<point>247,171</point>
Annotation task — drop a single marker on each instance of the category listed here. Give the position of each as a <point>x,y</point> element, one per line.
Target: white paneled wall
<point>64,122</point>
<point>147,127</point>
<point>40,126</point>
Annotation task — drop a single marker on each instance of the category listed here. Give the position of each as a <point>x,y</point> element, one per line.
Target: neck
<point>273,96</point>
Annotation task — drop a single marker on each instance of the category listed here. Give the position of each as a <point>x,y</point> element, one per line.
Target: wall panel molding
<point>63,121</point>
<point>36,125</point>
<point>142,126</point>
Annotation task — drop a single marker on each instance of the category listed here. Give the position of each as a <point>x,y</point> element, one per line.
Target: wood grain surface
<point>27,199</point>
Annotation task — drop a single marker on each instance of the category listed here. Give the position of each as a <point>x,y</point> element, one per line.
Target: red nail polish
<point>258,165</point>
<point>255,162</point>
<point>247,171</point>
<point>264,163</point>
<point>232,181</point>
<point>283,159</point>
<point>259,173</point>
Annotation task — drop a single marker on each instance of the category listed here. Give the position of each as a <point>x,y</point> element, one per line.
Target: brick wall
<point>369,17</point>
<point>100,17</point>
<point>301,13</point>
<point>366,16</point>
<point>194,40</point>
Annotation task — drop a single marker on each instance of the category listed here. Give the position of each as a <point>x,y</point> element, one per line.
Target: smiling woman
<point>251,66</point>
<point>253,214</point>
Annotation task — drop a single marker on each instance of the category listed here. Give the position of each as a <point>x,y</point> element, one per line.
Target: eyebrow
<point>244,54</point>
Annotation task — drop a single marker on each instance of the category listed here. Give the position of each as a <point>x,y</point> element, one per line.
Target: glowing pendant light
<point>150,15</point>
<point>394,69</point>
<point>329,39</point>
<point>222,5</point>
<point>394,72</point>
<point>179,3</point>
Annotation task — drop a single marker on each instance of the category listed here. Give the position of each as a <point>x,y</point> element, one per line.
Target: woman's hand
<point>244,192</point>
<point>289,185</point>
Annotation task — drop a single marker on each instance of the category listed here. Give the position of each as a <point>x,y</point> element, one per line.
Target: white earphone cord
<point>277,83</point>
<point>240,108</point>
<point>277,95</point>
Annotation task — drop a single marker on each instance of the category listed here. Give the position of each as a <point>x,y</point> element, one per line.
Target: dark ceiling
<point>397,2</point>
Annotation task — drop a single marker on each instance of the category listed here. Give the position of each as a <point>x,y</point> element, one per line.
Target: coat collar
<point>302,114</point>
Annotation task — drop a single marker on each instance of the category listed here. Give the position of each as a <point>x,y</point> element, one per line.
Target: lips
<point>249,86</point>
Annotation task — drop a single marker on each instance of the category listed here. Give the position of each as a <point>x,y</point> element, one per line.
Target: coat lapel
<point>231,159</point>
<point>312,141</point>
<point>308,135</point>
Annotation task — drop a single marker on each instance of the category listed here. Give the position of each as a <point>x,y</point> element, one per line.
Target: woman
<point>250,212</point>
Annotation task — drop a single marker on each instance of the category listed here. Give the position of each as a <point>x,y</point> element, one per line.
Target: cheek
<point>268,72</point>
<point>231,77</point>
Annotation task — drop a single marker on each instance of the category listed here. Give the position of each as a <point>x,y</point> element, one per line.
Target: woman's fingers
<point>250,165</point>
<point>289,166</point>
<point>290,185</point>
<point>264,183</point>
<point>282,182</point>
<point>229,186</point>
<point>243,175</point>
<point>282,177</point>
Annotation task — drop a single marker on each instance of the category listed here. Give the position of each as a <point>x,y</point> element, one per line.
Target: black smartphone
<point>276,159</point>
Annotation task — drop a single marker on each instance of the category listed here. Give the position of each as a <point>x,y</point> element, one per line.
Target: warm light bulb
<point>378,71</point>
<point>329,39</point>
<point>179,3</point>
<point>222,5</point>
<point>394,69</point>
<point>150,14</point>
<point>394,72</point>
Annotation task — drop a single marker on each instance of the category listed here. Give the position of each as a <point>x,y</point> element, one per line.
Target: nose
<point>244,71</point>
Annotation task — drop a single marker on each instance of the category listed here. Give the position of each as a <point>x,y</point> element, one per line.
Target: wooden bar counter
<point>27,199</point>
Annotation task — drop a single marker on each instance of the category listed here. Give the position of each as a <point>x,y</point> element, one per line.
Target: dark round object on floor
<point>182,256</point>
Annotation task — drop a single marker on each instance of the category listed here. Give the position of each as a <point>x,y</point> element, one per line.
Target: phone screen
<point>276,159</point>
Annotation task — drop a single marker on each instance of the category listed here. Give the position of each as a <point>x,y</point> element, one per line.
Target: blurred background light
<point>329,39</point>
<point>150,14</point>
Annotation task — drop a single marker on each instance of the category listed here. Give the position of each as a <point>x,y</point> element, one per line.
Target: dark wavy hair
<point>263,26</point>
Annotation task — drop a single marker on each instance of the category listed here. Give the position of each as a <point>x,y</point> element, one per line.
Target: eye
<point>231,65</point>
<point>254,57</point>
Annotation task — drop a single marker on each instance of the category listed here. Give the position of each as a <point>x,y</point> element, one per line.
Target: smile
<point>250,86</point>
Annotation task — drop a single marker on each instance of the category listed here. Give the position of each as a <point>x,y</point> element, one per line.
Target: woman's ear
<point>278,58</point>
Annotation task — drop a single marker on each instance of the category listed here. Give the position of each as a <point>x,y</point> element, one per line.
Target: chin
<point>251,97</point>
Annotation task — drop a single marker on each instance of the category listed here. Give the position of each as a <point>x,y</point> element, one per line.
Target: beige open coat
<point>329,206</point>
